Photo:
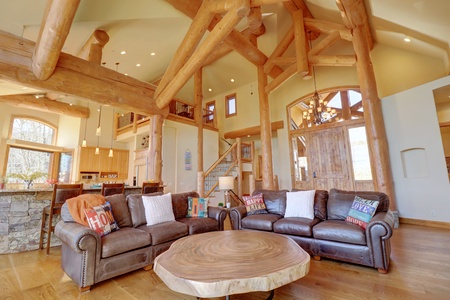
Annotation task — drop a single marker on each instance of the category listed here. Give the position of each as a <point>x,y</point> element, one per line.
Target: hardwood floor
<point>420,269</point>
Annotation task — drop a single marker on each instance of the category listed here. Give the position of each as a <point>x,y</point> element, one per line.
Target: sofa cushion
<point>254,204</point>
<point>260,222</point>
<point>340,202</point>
<point>180,203</point>
<point>300,204</point>
<point>197,207</point>
<point>295,226</point>
<point>340,231</point>
<point>275,200</point>
<point>100,219</point>
<point>362,211</point>
<point>136,208</point>
<point>165,232</point>
<point>320,203</point>
<point>200,225</point>
<point>126,239</point>
<point>158,209</point>
<point>120,210</point>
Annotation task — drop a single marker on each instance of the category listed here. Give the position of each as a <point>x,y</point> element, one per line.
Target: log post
<point>198,116</point>
<point>239,160</point>
<point>266,131</point>
<point>201,184</point>
<point>373,116</point>
<point>252,183</point>
<point>154,153</point>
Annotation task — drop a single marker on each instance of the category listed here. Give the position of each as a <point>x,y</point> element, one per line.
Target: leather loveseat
<point>328,234</point>
<point>88,258</point>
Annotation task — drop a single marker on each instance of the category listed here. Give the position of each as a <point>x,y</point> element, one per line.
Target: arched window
<point>30,152</point>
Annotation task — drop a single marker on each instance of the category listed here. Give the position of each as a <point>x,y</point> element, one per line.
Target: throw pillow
<point>158,209</point>
<point>197,208</point>
<point>300,204</point>
<point>100,219</point>
<point>255,204</point>
<point>362,211</point>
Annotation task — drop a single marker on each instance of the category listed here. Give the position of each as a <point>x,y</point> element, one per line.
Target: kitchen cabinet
<point>111,168</point>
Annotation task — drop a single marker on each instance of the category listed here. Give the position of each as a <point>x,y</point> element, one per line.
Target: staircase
<point>229,164</point>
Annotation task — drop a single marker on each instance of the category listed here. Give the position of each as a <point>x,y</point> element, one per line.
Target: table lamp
<point>226,183</point>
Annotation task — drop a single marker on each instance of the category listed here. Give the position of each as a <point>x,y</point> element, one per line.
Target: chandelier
<point>318,112</point>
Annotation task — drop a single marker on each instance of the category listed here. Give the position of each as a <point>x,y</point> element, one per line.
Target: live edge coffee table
<point>224,263</point>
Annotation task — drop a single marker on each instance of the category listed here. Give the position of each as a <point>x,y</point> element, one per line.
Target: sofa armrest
<point>378,232</point>
<point>236,215</point>
<point>78,237</point>
<point>218,214</point>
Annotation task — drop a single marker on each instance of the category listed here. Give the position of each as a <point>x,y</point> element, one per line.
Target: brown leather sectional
<point>88,258</point>
<point>328,234</point>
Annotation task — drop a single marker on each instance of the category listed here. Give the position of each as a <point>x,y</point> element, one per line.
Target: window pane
<point>65,163</point>
<point>32,131</point>
<point>24,161</point>
<point>231,106</point>
<point>360,153</point>
<point>300,161</point>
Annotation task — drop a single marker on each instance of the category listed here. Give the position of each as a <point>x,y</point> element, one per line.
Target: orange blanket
<point>77,205</point>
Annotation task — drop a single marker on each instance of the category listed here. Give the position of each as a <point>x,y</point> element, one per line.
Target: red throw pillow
<point>255,204</point>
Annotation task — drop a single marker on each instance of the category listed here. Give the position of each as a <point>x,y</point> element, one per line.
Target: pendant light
<point>84,144</point>
<point>111,153</point>
<point>98,132</point>
<point>97,150</point>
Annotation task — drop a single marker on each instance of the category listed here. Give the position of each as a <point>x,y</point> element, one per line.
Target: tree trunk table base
<point>223,263</point>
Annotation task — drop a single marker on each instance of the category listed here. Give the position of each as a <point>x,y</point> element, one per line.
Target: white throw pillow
<point>158,209</point>
<point>300,204</point>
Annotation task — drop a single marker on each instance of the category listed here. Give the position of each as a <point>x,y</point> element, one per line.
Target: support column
<point>198,116</point>
<point>373,115</point>
<point>154,153</point>
<point>266,131</point>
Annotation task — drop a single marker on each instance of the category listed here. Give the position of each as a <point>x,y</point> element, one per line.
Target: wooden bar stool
<point>61,192</point>
<point>150,187</point>
<point>109,189</point>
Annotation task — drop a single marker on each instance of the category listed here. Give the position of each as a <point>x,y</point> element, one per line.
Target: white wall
<point>411,122</point>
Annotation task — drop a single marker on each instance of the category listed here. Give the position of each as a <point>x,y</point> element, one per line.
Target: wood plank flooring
<point>420,269</point>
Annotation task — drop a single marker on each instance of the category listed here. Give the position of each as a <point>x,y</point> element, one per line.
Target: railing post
<point>239,163</point>
<point>252,183</point>
<point>200,184</point>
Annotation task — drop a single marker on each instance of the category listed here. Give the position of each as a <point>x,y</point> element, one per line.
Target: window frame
<point>39,120</point>
<point>207,106</point>
<point>227,100</point>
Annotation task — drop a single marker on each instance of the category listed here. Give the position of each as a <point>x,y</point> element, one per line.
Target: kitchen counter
<point>21,214</point>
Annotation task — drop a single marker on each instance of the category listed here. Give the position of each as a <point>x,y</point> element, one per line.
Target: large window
<point>230,105</point>
<point>32,153</point>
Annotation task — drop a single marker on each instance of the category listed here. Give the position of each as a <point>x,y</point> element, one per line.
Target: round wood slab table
<point>224,263</point>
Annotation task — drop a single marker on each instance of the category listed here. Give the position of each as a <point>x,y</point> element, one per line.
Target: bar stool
<point>109,189</point>
<point>150,187</point>
<point>61,192</point>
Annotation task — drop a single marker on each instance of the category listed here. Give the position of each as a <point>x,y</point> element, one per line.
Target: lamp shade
<point>226,183</point>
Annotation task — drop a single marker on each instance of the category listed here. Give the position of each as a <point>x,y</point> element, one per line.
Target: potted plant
<point>28,177</point>
<point>220,204</point>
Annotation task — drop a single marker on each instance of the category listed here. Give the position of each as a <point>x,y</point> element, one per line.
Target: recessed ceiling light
<point>123,52</point>
<point>153,54</point>
<point>24,88</point>
<point>407,39</point>
<point>138,65</point>
<point>232,80</point>
<point>126,74</point>
<point>211,90</point>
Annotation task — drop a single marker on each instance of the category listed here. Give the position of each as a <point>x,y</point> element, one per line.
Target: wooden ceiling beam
<point>92,49</point>
<point>225,26</point>
<point>54,30</point>
<point>187,47</point>
<point>77,77</point>
<point>235,40</point>
<point>300,42</point>
<point>333,60</point>
<point>328,28</point>
<point>46,105</point>
<point>279,49</point>
<point>354,15</point>
<point>255,130</point>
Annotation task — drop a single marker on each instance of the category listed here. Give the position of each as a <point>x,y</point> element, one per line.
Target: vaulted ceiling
<point>143,27</point>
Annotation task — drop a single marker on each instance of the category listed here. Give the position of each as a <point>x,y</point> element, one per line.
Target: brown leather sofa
<point>328,234</point>
<point>88,258</point>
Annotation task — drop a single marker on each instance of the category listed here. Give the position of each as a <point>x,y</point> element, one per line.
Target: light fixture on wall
<point>111,153</point>
<point>84,144</point>
<point>98,132</point>
<point>318,112</point>
<point>226,183</point>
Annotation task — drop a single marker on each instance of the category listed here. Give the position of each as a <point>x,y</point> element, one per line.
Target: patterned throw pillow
<point>300,204</point>
<point>255,204</point>
<point>197,208</point>
<point>158,209</point>
<point>100,219</point>
<point>362,211</point>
